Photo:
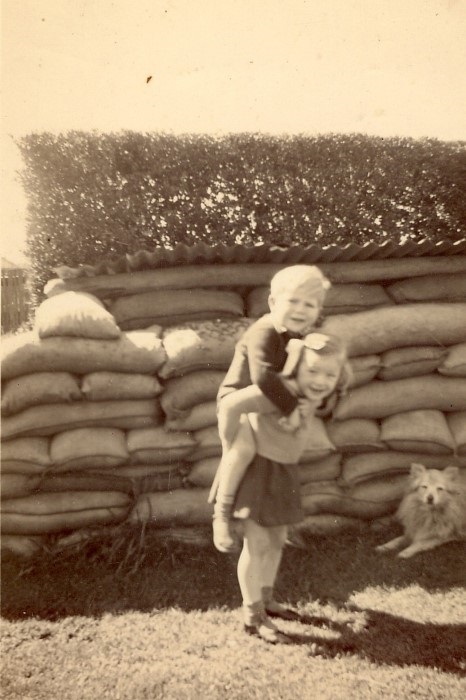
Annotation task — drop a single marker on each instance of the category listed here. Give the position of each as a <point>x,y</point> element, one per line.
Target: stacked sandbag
<point>72,387</point>
<point>404,321</point>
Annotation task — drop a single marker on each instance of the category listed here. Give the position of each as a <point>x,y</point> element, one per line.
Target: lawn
<point>131,617</point>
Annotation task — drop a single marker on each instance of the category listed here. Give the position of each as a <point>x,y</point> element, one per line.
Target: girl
<point>268,498</point>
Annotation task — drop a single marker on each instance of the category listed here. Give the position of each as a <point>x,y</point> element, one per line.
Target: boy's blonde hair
<point>294,276</point>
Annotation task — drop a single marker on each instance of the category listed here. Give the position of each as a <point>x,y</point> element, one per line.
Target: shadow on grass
<point>102,577</point>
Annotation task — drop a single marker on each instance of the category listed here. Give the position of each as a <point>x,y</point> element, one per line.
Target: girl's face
<point>318,376</point>
<point>295,309</point>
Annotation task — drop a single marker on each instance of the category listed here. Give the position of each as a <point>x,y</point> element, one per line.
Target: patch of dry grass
<point>133,618</point>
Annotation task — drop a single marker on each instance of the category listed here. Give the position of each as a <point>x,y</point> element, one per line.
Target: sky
<point>382,67</point>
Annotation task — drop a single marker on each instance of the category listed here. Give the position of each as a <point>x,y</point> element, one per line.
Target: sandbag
<point>390,327</point>
<point>355,435</point>
<point>418,431</point>
<point>444,287</point>
<point>181,394</point>
<point>249,275</point>
<point>326,469</point>
<point>340,299</point>
<point>201,416</point>
<point>207,444</point>
<point>138,351</point>
<point>362,467</point>
<point>84,481</point>
<point>410,362</point>
<point>320,497</point>
<point>27,455</point>
<point>457,426</point>
<point>88,448</point>
<point>17,485</point>
<point>55,512</point>
<point>140,471</point>
<point>326,524</point>
<point>119,386</point>
<point>180,507</point>
<point>380,399</point>
<point>202,472</point>
<point>75,314</point>
<point>39,388</point>
<point>175,306</point>
<point>454,365</point>
<point>363,369</point>
<point>157,446</point>
<point>21,545</point>
<point>201,345</point>
<point>376,497</point>
<point>55,418</point>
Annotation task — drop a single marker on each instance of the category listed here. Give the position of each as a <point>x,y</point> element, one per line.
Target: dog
<point>432,512</point>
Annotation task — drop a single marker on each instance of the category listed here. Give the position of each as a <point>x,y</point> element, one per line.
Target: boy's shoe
<point>224,540</point>
<point>266,630</point>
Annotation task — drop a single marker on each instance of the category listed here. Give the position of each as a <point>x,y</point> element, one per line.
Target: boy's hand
<point>305,408</point>
<point>291,422</point>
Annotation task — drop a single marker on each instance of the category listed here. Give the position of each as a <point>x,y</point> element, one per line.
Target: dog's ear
<point>451,472</point>
<point>417,470</point>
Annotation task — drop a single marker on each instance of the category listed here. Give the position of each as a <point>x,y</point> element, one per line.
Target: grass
<point>133,617</point>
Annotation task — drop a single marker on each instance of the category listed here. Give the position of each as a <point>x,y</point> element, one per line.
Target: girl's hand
<point>291,422</point>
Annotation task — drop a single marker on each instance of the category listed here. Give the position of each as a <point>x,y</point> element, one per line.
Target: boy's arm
<point>262,348</point>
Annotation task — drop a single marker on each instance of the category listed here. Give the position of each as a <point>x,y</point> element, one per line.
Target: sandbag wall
<point>108,406</point>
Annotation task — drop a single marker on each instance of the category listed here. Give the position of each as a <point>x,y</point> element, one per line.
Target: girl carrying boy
<point>268,497</point>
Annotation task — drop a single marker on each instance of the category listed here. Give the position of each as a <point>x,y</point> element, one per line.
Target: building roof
<point>202,254</point>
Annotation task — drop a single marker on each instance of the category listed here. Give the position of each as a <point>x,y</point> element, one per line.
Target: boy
<point>296,298</point>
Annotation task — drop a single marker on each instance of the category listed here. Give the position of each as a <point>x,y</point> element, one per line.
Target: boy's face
<point>295,309</point>
<point>317,376</point>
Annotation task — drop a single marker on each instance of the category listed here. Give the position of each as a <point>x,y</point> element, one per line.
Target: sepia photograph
<point>233,350</point>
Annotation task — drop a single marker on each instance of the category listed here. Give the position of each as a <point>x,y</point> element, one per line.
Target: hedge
<point>94,195</point>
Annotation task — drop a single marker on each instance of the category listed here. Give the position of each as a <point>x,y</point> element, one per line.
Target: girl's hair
<point>290,278</point>
<point>323,345</point>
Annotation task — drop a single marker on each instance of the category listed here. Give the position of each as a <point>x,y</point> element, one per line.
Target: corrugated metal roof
<point>202,254</point>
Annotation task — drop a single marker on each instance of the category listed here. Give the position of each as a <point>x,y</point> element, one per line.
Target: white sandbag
<point>158,446</point>
<point>202,472</point>
<point>390,327</point>
<point>21,545</point>
<point>410,362</point>
<point>340,299</point>
<point>18,485</point>
<point>457,425</point>
<point>418,431</point>
<point>355,435</point>
<point>180,507</point>
<point>55,418</point>
<point>39,388</point>
<point>75,314</point>
<point>207,444</point>
<point>454,365</point>
<point>57,512</point>
<point>318,444</point>
<point>119,386</point>
<point>138,351</point>
<point>201,416</point>
<point>201,345</point>
<point>27,455</point>
<point>87,448</point>
<point>362,467</point>
<point>175,306</point>
<point>444,287</point>
<point>181,394</point>
<point>328,524</point>
<point>326,469</point>
<point>247,274</point>
<point>380,399</point>
<point>363,369</point>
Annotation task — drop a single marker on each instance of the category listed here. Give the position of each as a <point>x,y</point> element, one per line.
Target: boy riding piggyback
<point>296,298</point>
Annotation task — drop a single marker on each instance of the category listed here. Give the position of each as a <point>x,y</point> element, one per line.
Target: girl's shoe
<point>266,630</point>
